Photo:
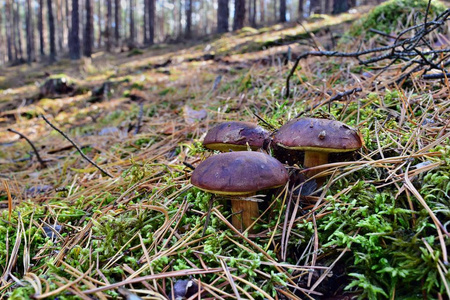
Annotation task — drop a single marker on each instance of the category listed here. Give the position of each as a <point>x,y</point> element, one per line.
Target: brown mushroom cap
<point>239,173</point>
<point>235,135</point>
<point>310,134</point>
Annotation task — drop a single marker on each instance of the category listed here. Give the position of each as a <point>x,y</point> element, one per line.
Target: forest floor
<point>69,230</point>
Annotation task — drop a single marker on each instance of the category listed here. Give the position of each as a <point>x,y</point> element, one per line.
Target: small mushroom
<point>240,174</point>
<point>318,138</point>
<point>235,136</point>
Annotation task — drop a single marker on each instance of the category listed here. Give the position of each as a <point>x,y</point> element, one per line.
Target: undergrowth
<point>370,233</point>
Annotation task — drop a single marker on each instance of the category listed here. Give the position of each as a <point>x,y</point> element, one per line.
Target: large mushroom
<point>235,136</point>
<point>240,174</point>
<point>317,138</point>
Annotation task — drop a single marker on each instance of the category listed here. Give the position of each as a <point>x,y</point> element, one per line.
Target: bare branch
<point>41,162</point>
<point>76,146</point>
<point>401,49</point>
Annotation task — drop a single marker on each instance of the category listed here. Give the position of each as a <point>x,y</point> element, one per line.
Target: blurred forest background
<point>40,30</point>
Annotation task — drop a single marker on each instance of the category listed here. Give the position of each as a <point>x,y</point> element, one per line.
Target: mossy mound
<point>396,14</point>
<point>56,85</point>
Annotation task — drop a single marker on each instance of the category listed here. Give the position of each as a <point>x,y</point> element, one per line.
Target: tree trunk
<point>314,7</point>
<point>145,27</point>
<point>74,33</point>
<point>180,18</point>
<point>2,43</point>
<point>151,21</point>
<point>117,22</point>
<point>173,22</point>
<point>59,22</point>
<point>29,30</point>
<point>108,33</point>
<point>8,25</point>
<point>262,9</point>
<point>81,18</point>
<point>275,18</point>
<point>327,6</point>
<point>189,18</point>
<point>88,29</point>
<point>250,11</point>
<point>41,27</point>
<point>300,9</point>
<point>51,26</point>
<point>254,13</point>
<point>340,6</point>
<point>206,12</point>
<point>282,11</point>
<point>19,31</point>
<point>68,19</point>
<point>223,14</point>
<point>162,23</point>
<point>14,31</point>
<point>99,23</point>
<point>239,14</point>
<point>132,27</point>
<point>63,23</point>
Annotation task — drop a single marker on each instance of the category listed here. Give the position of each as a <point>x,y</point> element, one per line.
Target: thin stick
<point>32,146</point>
<point>382,33</point>
<point>77,147</point>
<point>264,121</point>
<point>140,115</point>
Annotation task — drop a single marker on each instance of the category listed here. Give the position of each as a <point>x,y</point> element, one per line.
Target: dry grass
<point>141,229</point>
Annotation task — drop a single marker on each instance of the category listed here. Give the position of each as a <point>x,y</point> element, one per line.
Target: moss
<point>387,16</point>
<point>246,31</point>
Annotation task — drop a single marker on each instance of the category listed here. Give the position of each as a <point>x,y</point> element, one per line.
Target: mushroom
<point>235,136</point>
<point>318,138</point>
<point>240,174</point>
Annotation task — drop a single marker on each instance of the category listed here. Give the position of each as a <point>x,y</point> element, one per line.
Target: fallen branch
<point>76,146</point>
<point>401,49</point>
<point>41,162</point>
<point>436,76</point>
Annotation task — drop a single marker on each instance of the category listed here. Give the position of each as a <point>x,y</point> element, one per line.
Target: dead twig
<point>401,49</point>
<point>264,121</point>
<point>436,76</point>
<point>76,146</point>
<point>41,162</point>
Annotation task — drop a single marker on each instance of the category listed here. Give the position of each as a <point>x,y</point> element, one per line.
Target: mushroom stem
<point>313,159</point>
<point>244,214</point>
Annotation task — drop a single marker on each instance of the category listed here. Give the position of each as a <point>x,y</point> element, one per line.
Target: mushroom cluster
<point>243,173</point>
<point>238,174</point>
